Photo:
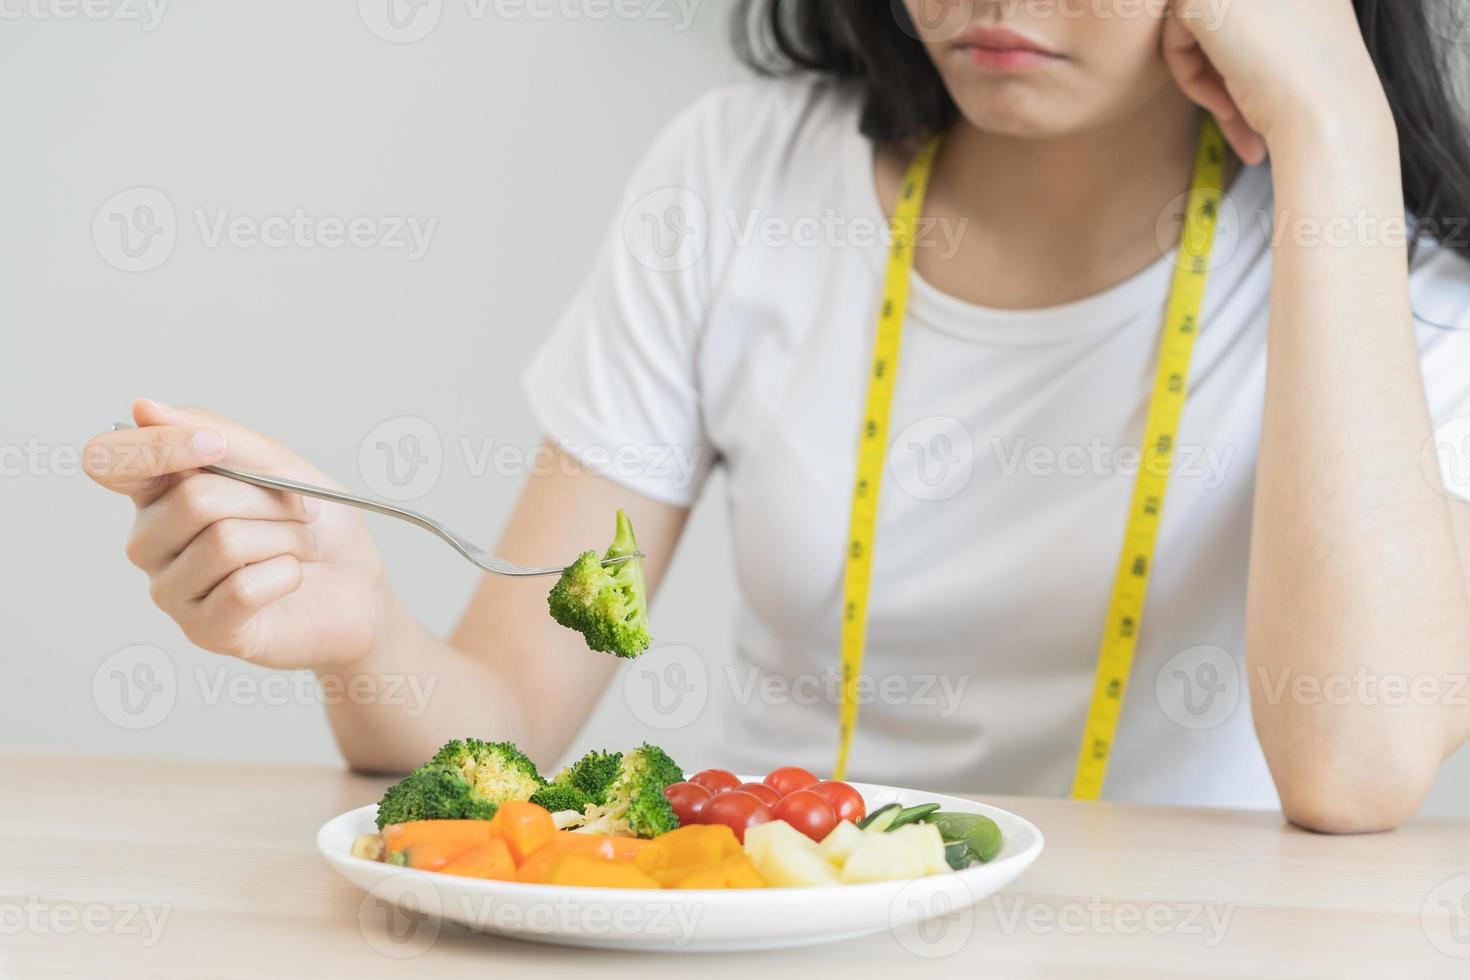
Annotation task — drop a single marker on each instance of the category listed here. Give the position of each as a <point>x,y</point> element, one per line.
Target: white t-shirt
<point>729,322</point>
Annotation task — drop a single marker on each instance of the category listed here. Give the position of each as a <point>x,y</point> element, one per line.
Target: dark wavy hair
<point>873,45</point>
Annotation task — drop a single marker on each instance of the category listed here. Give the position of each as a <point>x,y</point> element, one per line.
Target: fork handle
<point>324,493</point>
<point>483,559</point>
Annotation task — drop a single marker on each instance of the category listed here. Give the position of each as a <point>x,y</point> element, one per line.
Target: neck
<point>1088,203</point>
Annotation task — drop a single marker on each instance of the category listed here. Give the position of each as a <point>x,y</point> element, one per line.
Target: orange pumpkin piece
<point>672,856</point>
<point>535,869</point>
<point>732,872</point>
<point>490,860</point>
<point>584,871</point>
<point>525,828</point>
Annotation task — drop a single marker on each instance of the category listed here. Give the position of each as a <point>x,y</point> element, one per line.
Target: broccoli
<point>498,770</point>
<point>607,604</point>
<point>635,803</point>
<point>466,780</point>
<point>433,794</point>
<point>560,798</point>
<point>592,774</point>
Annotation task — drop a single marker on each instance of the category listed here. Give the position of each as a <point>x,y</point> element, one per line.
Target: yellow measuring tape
<point>1135,564</point>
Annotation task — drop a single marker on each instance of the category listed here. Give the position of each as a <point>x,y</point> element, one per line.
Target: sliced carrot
<point>627,848</point>
<point>432,855</point>
<point>490,860</point>
<point>597,845</point>
<point>535,869</point>
<point>525,827</point>
<point>445,834</point>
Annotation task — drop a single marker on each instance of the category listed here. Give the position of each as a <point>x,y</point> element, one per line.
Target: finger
<point>1198,79</point>
<point>222,620</point>
<point>224,548</point>
<point>142,462</point>
<point>248,449</point>
<point>165,527</point>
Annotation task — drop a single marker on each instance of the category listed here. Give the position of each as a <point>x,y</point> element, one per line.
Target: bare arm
<point>1358,616</point>
<point>283,581</point>
<point>1356,577</point>
<point>508,671</point>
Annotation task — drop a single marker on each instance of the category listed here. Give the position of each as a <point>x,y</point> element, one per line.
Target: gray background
<point>515,132</point>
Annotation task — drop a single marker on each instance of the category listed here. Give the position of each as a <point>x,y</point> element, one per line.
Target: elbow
<point>1336,798</point>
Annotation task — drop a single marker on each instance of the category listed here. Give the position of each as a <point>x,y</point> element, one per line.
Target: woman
<point>1304,541</point>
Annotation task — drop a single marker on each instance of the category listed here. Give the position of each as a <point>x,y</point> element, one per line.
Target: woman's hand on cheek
<point>1265,68</point>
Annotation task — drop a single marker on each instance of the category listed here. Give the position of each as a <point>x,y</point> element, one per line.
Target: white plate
<point>674,921</point>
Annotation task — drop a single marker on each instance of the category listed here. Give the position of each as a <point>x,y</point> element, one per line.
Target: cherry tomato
<point>737,810</point>
<point>789,779</point>
<point>845,801</point>
<point>716,780</point>
<point>688,799</point>
<point>807,812</point>
<point>767,795</point>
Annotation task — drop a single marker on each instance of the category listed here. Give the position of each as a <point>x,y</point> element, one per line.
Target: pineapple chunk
<point>930,843</point>
<point>774,833</point>
<point>787,858</point>
<point>908,852</point>
<point>838,845</point>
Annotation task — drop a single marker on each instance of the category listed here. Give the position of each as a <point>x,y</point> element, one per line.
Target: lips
<point>1003,49</point>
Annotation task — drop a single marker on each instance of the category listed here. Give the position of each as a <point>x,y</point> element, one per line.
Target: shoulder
<point>734,136</point>
<point>767,111</point>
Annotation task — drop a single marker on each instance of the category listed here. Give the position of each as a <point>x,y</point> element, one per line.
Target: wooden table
<point>161,869</point>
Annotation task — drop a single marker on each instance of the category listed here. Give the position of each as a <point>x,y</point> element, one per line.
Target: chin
<point>1011,110</point>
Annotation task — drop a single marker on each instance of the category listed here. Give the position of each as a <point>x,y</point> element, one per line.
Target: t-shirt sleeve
<point>1441,294</point>
<point>615,384</point>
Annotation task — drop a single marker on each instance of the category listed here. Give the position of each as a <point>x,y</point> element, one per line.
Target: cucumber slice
<point>913,814</point>
<point>881,818</point>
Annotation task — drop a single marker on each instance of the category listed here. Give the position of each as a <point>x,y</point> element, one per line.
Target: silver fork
<point>478,556</point>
